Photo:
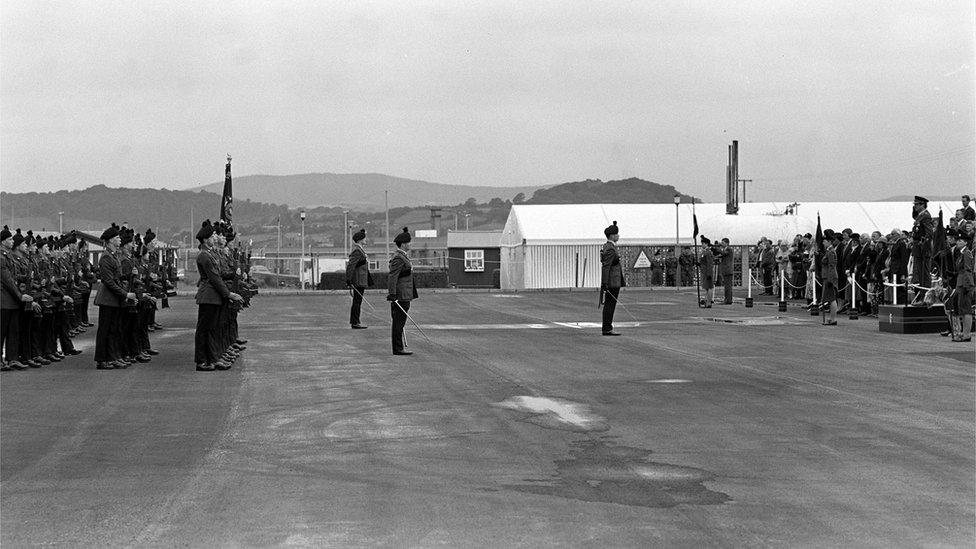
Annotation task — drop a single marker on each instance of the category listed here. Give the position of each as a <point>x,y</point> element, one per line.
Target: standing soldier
<point>110,299</point>
<point>402,289</point>
<point>212,292</point>
<point>357,277</point>
<point>828,270</point>
<point>725,269</point>
<point>611,277</point>
<point>965,286</point>
<point>23,274</point>
<point>687,263</point>
<point>706,266</point>
<point>922,243</point>
<point>11,299</point>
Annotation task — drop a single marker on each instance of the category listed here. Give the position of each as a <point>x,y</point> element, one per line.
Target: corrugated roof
<point>654,224</point>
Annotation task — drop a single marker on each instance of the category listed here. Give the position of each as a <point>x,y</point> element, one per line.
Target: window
<point>474,261</point>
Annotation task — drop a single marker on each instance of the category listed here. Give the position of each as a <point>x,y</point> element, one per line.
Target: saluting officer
<point>357,277</point>
<point>401,289</point>
<point>611,277</point>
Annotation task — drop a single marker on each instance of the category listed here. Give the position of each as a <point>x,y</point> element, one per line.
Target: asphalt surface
<point>517,425</point>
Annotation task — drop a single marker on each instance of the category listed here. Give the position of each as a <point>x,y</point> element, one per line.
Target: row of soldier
<point>47,286</point>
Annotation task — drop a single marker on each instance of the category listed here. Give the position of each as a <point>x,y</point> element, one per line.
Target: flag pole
<point>694,218</point>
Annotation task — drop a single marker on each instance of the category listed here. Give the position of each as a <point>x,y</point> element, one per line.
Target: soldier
<point>358,277</point>
<point>965,288</point>
<point>828,271</point>
<point>110,300</point>
<point>725,269</point>
<point>212,292</point>
<point>687,263</point>
<point>11,301</point>
<point>611,277</point>
<point>62,290</point>
<point>23,273</point>
<point>706,266</point>
<point>922,243</point>
<point>231,273</point>
<point>402,289</point>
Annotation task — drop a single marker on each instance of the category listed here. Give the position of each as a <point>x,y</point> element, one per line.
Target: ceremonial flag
<point>694,219</point>
<point>818,256</point>
<point>940,249</point>
<point>227,200</point>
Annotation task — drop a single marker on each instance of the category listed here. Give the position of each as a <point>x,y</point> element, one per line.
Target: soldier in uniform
<point>828,271</point>
<point>611,277</point>
<point>922,243</point>
<point>212,293</point>
<point>402,289</point>
<point>11,301</point>
<point>357,277</point>
<point>725,269</point>
<point>706,265</point>
<point>687,263</point>
<point>110,300</point>
<point>23,273</point>
<point>965,287</point>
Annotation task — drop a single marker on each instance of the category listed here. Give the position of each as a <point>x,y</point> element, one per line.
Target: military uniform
<point>110,300</point>
<point>922,232</point>
<point>358,278</point>
<point>401,291</point>
<point>706,266</point>
<point>611,278</point>
<point>726,258</point>
<point>11,299</point>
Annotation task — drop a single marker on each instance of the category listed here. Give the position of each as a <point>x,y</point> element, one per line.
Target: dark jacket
<point>828,267</point>
<point>211,289</point>
<point>357,268</point>
<point>726,258</point>
<point>898,259</point>
<point>707,268</point>
<point>964,269</point>
<point>611,274</point>
<point>10,294</point>
<point>400,282</point>
<point>112,293</point>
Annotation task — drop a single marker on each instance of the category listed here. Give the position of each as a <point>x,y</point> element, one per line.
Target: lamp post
<point>61,222</point>
<point>301,268</point>
<point>467,218</point>
<point>677,243</point>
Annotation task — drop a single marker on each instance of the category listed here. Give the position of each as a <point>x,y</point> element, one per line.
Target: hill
<point>594,191</point>
<point>359,191</point>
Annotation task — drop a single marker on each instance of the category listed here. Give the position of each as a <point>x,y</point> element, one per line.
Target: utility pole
<point>301,267</point>
<point>278,256</point>
<point>61,222</point>
<point>386,200</point>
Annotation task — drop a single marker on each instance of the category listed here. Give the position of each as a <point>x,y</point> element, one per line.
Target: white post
<point>814,285</point>
<point>749,286</point>
<point>894,291</point>
<point>782,286</point>
<point>853,292</point>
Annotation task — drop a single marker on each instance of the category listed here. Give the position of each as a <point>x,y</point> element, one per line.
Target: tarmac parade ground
<point>518,425</point>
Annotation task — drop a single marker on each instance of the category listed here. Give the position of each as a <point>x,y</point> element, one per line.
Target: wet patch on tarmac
<point>554,413</point>
<point>599,471</point>
<point>966,356</point>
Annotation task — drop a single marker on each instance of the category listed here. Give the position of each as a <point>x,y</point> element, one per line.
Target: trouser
<point>609,306</point>
<point>61,326</point>
<point>129,330</point>
<point>109,334</point>
<point>399,321</point>
<point>223,331</point>
<point>235,333</point>
<point>205,350</point>
<point>727,281</point>
<point>85,297</point>
<point>10,333</point>
<point>142,334</point>
<point>767,274</point>
<point>44,338</point>
<point>24,343</point>
<point>921,271</point>
<point>799,282</point>
<point>357,304</point>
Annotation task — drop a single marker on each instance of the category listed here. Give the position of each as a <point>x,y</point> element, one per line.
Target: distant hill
<point>594,191</point>
<point>907,198</point>
<point>357,191</point>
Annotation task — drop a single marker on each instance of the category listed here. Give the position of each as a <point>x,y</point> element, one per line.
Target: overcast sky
<point>829,99</point>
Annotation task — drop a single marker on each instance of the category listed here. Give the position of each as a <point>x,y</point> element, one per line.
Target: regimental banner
<point>642,261</point>
<point>227,199</point>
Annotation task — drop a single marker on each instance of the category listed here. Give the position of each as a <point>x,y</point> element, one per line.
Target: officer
<point>402,289</point>
<point>922,232</point>
<point>828,272</point>
<point>110,299</point>
<point>725,269</point>
<point>706,265</point>
<point>611,277</point>
<point>358,277</point>
<point>212,293</point>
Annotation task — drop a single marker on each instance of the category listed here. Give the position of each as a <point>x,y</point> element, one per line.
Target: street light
<point>61,222</point>
<point>466,219</point>
<point>301,268</point>
<point>677,246</point>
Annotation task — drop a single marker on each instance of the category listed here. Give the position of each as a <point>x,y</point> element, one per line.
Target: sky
<point>829,99</point>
